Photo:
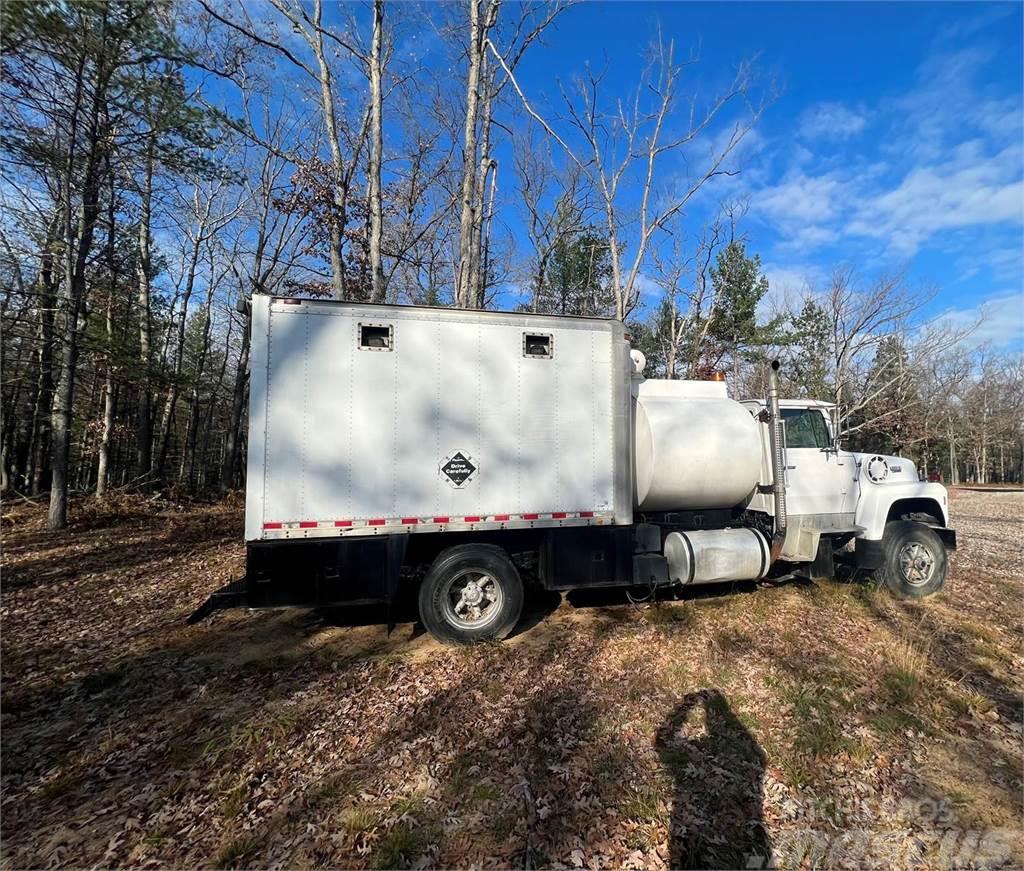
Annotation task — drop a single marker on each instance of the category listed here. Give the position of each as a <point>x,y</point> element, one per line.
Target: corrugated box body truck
<point>470,452</point>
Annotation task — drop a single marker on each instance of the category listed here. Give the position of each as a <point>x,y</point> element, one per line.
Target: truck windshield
<point>805,428</point>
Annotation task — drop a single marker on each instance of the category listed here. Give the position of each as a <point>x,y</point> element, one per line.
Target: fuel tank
<point>693,446</point>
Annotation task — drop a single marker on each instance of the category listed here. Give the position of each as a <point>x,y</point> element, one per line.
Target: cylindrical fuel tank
<point>694,447</point>
<point>710,555</point>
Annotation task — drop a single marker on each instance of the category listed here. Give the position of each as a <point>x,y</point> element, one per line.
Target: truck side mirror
<point>838,419</point>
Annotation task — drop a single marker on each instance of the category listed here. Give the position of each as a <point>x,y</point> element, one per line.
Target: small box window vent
<point>376,337</point>
<point>538,345</point>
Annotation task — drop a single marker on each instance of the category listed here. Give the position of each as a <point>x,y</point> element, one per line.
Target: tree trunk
<point>376,152</point>
<point>39,441</point>
<point>477,278</point>
<point>76,261</point>
<point>478,29</point>
<point>144,426</point>
<point>164,437</point>
<point>228,477</point>
<point>337,224</point>
<point>191,428</point>
<point>65,393</point>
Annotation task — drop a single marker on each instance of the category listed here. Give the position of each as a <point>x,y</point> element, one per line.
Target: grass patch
<point>356,820</point>
<point>906,677</point>
<point>59,786</point>
<point>818,732</point>
<point>233,802</point>
<point>236,851</point>
<point>334,787</point>
<point>641,839</point>
<point>408,805</point>
<point>264,730</point>
<point>897,722</point>
<point>464,785</point>
<point>643,804</point>
<point>731,640</point>
<point>402,845</point>
<point>671,614</point>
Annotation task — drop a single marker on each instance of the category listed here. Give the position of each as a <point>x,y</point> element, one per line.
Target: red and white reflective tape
<point>527,517</point>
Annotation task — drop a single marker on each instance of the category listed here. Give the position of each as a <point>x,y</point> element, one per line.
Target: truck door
<point>819,480</point>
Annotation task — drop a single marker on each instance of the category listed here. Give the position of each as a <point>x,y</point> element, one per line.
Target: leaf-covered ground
<point>819,724</point>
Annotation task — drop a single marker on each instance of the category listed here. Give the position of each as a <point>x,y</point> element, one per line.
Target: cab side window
<point>805,428</point>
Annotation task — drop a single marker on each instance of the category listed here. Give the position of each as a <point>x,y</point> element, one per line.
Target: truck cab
<point>898,525</point>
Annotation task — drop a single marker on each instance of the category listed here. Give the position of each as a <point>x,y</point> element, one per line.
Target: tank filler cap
<point>639,361</point>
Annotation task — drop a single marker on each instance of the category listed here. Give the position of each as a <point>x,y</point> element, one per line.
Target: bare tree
<point>375,65</point>
<point>309,25</point>
<point>554,205</point>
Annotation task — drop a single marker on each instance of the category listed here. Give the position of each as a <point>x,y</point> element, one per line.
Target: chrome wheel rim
<point>472,599</point>
<point>917,564</point>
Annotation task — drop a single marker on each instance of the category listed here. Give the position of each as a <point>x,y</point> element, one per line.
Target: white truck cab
<point>878,502</point>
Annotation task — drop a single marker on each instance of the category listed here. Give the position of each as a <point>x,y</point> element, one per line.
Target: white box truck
<point>470,452</point>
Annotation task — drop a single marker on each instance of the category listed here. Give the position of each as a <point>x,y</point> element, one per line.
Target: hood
<point>883,469</point>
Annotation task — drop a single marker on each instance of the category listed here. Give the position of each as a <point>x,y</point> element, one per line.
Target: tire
<point>914,560</point>
<point>472,593</point>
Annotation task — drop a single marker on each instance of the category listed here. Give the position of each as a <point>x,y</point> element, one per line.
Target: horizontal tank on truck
<point>462,455</point>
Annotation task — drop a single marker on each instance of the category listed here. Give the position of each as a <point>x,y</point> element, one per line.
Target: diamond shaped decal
<point>458,469</point>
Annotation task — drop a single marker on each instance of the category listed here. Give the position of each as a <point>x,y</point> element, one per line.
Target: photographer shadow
<point>718,770</point>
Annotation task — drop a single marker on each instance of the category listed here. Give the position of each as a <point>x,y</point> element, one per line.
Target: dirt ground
<point>801,724</point>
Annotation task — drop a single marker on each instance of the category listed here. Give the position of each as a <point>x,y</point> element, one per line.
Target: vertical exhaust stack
<point>777,445</point>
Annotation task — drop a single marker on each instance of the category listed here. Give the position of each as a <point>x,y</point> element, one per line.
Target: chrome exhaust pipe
<point>777,444</point>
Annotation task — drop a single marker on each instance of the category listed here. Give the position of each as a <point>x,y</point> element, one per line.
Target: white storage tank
<point>693,446</point>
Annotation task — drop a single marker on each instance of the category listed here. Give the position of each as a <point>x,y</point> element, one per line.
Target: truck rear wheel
<point>915,562</point>
<point>472,592</point>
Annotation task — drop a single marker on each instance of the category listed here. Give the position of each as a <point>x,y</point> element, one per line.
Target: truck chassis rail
<point>233,595</point>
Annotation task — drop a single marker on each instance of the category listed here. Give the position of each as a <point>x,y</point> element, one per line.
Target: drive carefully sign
<point>458,469</point>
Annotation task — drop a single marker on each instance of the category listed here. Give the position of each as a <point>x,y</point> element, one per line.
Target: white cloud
<point>947,160</point>
<point>801,198</point>
<point>649,289</point>
<point>788,284</point>
<point>831,121</point>
<point>998,321</point>
<point>968,191</point>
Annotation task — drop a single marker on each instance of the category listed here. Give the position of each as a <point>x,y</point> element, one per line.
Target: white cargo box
<point>369,420</point>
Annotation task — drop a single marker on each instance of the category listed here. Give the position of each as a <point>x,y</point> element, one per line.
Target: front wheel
<point>915,562</point>
<point>472,593</point>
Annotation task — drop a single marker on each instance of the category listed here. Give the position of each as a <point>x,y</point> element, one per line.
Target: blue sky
<point>896,140</point>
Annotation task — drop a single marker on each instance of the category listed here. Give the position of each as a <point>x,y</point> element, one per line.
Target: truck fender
<point>881,503</point>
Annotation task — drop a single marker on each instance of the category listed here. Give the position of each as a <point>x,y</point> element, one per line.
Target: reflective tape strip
<point>438,519</point>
